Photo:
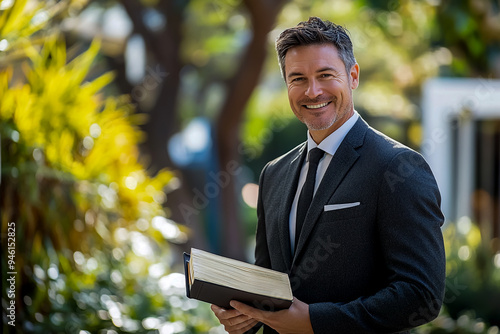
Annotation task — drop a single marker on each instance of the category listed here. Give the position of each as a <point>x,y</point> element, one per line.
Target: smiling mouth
<point>316,106</point>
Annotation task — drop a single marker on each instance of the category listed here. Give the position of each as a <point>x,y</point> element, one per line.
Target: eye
<point>326,75</point>
<point>297,79</point>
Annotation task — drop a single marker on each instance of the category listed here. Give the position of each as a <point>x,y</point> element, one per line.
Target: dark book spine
<point>196,289</point>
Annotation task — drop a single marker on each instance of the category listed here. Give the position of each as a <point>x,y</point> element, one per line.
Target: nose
<point>313,89</point>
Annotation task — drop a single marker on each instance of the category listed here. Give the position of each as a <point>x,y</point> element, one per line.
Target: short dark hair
<point>316,31</point>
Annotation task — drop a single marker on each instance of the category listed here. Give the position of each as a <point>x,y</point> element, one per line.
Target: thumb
<point>248,310</point>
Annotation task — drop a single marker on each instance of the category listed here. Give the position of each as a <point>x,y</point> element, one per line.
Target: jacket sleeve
<point>409,223</point>
<point>261,251</point>
<point>262,257</point>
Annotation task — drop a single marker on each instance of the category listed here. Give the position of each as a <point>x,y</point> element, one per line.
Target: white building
<point>461,122</point>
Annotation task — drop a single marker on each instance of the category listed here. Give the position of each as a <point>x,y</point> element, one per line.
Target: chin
<point>315,126</point>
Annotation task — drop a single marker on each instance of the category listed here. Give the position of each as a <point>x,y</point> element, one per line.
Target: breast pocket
<point>350,227</point>
<point>334,212</point>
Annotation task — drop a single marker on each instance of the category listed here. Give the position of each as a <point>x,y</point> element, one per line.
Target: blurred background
<point>133,130</point>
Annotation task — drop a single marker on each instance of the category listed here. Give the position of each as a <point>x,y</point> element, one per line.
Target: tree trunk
<point>163,123</point>
<point>164,79</point>
<point>263,15</point>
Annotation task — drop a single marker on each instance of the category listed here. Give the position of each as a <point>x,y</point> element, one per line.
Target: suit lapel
<point>340,165</point>
<point>289,187</point>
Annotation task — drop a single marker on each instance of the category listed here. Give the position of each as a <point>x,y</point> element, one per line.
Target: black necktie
<point>307,192</point>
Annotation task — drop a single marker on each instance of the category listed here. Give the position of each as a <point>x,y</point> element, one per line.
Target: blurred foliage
<point>93,243</point>
<point>472,297</point>
<point>471,30</point>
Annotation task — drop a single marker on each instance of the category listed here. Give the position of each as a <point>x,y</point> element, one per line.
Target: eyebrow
<point>323,69</point>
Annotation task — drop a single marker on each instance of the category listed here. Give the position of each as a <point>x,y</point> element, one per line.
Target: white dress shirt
<point>329,145</point>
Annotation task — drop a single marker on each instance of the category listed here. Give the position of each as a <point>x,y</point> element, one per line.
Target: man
<point>366,255</point>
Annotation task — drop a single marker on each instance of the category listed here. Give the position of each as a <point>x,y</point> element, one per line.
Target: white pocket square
<point>331,207</point>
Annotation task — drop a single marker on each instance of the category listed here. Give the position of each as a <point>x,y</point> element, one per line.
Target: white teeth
<point>316,106</point>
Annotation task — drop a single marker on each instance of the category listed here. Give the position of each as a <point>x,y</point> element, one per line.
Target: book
<point>218,280</point>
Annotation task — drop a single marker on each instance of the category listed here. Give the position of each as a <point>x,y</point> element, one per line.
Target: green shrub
<point>472,297</point>
<point>93,244</point>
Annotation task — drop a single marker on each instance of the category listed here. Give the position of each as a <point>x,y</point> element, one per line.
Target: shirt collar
<point>331,143</point>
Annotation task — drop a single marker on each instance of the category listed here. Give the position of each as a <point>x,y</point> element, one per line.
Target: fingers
<point>233,320</point>
<point>243,317</point>
<point>245,326</point>
<point>223,313</point>
<point>241,327</point>
<point>248,310</point>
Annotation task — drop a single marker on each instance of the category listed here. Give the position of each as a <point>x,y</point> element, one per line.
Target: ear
<point>354,76</point>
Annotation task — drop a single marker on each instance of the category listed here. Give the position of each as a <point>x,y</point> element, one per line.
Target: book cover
<point>221,295</point>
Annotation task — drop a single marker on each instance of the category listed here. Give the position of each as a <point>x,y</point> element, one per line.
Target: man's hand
<point>234,322</point>
<point>293,320</point>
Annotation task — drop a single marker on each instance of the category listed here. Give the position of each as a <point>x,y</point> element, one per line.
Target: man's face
<point>319,89</point>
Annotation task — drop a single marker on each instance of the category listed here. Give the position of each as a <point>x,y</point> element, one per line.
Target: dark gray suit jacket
<point>376,267</point>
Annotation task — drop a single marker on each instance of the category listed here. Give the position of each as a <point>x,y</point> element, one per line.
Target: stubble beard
<point>315,126</point>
